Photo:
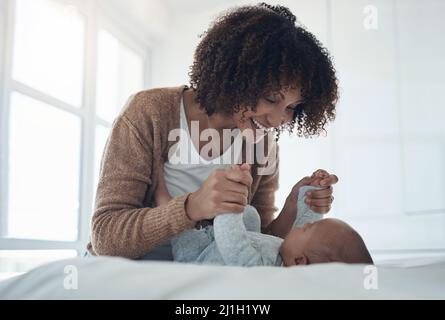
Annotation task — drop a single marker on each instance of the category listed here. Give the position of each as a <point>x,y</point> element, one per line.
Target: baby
<point>236,239</point>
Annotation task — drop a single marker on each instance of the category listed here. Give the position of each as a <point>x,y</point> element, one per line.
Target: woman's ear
<point>301,260</point>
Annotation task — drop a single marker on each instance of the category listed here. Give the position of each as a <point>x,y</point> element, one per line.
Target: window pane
<point>44,171</point>
<point>132,75</point>
<point>49,48</point>
<point>120,73</point>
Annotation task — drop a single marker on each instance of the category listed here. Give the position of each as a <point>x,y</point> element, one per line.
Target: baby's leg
<point>232,238</point>
<point>189,244</point>
<point>210,255</point>
<point>251,219</point>
<point>199,245</point>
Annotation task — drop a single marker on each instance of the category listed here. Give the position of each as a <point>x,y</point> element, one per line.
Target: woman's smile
<point>259,125</point>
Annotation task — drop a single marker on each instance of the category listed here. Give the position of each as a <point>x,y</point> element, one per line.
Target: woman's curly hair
<point>252,51</point>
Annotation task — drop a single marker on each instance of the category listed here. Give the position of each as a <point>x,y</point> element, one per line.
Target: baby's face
<point>313,242</point>
<point>293,250</point>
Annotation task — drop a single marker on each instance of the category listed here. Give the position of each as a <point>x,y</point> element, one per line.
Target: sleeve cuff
<point>178,217</point>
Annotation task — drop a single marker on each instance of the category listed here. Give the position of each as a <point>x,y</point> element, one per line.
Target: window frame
<point>97,15</point>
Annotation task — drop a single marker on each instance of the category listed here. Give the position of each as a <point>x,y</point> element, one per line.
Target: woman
<point>255,68</point>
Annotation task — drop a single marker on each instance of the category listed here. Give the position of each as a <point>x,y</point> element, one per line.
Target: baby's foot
<point>304,213</point>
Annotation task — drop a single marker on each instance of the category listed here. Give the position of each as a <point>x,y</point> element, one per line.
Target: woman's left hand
<point>319,201</point>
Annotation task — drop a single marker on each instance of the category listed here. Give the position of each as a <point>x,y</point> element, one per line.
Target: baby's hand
<point>162,196</point>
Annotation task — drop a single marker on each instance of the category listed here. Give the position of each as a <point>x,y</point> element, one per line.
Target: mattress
<point>118,278</point>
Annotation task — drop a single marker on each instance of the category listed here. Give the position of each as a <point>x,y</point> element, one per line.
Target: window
<point>44,171</point>
<point>46,58</point>
<point>119,72</point>
<point>66,75</point>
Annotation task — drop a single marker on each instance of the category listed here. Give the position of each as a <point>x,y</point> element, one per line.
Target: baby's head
<point>326,240</point>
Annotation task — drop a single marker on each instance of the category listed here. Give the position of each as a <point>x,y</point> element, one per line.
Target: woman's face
<point>271,112</point>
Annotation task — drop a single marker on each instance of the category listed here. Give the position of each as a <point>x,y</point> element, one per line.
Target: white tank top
<point>185,171</point>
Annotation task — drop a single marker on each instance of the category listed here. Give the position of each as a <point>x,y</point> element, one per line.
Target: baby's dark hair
<point>341,243</point>
<point>354,250</point>
<point>256,50</point>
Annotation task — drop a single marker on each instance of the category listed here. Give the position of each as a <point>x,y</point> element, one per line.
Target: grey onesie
<point>236,239</point>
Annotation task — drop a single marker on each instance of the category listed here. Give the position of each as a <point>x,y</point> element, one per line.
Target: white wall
<point>174,56</point>
<point>390,131</point>
<point>387,144</point>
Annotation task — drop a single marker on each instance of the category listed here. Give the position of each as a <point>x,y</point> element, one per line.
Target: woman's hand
<point>225,190</point>
<point>319,201</point>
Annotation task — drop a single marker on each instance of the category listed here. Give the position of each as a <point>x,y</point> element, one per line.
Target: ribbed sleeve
<point>122,225</point>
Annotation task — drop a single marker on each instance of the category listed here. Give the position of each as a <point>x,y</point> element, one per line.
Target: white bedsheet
<point>117,278</point>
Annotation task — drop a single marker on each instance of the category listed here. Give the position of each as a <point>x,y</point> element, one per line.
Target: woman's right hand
<point>225,190</point>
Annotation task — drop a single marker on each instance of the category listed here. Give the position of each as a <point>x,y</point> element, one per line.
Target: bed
<point>118,278</point>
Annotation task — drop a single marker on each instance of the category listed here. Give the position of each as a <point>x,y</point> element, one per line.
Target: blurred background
<point>67,68</point>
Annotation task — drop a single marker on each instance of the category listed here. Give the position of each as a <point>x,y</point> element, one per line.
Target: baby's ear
<point>301,260</point>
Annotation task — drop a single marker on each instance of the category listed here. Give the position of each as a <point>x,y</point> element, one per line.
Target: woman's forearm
<point>118,230</point>
<point>281,226</point>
